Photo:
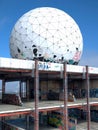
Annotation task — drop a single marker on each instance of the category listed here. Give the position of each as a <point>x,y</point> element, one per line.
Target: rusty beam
<point>50,109</point>
<point>94,104</point>
<point>58,108</point>
<point>15,113</point>
<point>65,86</point>
<point>88,101</point>
<point>36,97</point>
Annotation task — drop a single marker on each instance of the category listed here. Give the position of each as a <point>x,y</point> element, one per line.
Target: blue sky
<point>84,12</point>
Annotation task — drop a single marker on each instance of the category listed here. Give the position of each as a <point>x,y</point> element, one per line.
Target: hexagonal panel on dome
<point>48,34</point>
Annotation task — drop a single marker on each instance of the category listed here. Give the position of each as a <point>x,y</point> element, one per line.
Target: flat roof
<point>11,63</point>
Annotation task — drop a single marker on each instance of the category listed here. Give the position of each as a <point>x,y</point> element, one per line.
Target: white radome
<point>48,34</point>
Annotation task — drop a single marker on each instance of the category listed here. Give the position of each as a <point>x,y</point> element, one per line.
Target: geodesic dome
<point>48,34</point>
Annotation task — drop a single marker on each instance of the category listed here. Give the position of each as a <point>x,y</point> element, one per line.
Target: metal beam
<point>36,96</point>
<point>88,101</point>
<point>15,113</point>
<point>65,110</point>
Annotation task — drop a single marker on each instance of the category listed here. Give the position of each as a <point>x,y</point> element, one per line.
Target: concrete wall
<point>93,83</point>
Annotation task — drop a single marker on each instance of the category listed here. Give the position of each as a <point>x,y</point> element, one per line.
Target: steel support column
<point>87,92</point>
<point>65,110</point>
<point>36,96</point>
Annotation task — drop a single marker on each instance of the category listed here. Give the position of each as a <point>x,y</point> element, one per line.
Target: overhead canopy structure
<point>10,67</point>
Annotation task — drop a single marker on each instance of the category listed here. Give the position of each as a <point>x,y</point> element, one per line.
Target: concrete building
<point>48,87</point>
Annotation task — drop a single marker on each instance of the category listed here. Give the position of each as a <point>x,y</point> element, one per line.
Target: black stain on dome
<point>33,45</point>
<point>54,56</point>
<point>19,51</point>
<point>62,58</point>
<point>40,54</point>
<point>35,51</point>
